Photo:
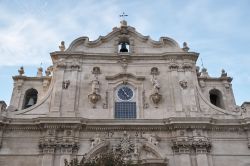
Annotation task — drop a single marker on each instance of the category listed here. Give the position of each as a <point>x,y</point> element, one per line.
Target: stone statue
<point>21,71</point>
<point>153,139</point>
<point>95,86</point>
<point>156,84</point>
<point>96,140</point>
<point>62,46</point>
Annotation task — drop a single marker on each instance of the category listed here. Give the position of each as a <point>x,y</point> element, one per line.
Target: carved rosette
<point>156,98</point>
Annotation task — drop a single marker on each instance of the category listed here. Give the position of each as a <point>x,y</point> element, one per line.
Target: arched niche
<point>216,98</point>
<point>30,98</point>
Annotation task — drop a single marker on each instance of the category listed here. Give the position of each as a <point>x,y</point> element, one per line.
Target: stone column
<point>47,160</point>
<point>57,90</point>
<point>69,94</point>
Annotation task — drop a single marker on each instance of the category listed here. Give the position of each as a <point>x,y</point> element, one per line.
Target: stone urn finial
<point>39,72</point>
<point>185,47</point>
<point>62,46</point>
<point>21,71</point>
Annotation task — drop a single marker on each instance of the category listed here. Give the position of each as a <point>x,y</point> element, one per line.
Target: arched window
<point>30,98</point>
<point>125,105</point>
<point>216,98</point>
<point>123,47</point>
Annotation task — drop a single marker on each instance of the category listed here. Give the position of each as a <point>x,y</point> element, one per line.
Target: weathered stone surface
<point>192,121</point>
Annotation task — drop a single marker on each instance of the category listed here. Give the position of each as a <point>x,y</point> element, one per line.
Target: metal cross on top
<point>123,15</point>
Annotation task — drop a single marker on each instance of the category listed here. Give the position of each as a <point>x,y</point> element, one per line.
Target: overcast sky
<point>217,29</point>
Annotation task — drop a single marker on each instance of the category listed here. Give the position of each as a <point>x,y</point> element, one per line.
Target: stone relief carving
<point>126,146</point>
<point>51,142</point>
<point>65,84</point>
<point>61,64</point>
<point>183,84</point>
<point>187,66</point>
<point>154,71</point>
<point>48,143</point>
<point>75,65</point>
<point>195,144</point>
<point>95,141</point>
<point>96,70</point>
<point>152,138</point>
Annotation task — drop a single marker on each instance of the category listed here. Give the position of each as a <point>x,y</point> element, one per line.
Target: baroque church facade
<point>127,93</point>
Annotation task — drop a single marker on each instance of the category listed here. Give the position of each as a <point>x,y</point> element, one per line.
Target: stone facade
<point>127,93</point>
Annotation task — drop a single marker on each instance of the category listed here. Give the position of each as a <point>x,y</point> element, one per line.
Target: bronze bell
<point>123,48</point>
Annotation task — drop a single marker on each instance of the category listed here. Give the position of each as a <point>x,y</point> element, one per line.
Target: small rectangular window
<point>125,110</point>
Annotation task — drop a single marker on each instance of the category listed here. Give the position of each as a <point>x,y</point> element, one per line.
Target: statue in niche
<point>94,97</point>
<point>155,96</point>
<point>156,84</point>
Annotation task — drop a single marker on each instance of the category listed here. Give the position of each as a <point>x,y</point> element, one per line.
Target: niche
<point>216,98</point>
<point>30,98</point>
<point>123,47</point>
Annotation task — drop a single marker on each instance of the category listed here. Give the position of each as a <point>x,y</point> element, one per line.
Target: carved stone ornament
<point>156,98</point>
<point>183,84</point>
<point>154,71</point>
<point>95,141</point>
<point>196,144</point>
<point>94,98</point>
<point>96,70</point>
<point>65,84</point>
<point>125,146</point>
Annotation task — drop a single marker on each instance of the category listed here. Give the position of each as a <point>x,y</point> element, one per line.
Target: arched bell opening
<point>30,98</point>
<point>216,98</point>
<point>123,47</point>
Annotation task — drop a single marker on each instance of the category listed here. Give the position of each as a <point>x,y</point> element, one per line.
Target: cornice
<point>31,78</point>
<point>169,56</point>
<point>228,79</point>
<point>113,124</point>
